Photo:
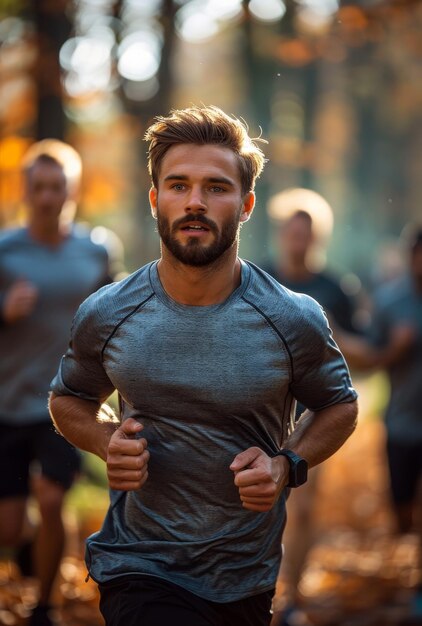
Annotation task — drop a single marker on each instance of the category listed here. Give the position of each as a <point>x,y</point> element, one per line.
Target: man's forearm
<point>86,425</point>
<point>319,434</point>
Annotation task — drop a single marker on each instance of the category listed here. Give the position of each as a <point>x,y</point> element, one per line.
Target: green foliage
<point>93,469</point>
<point>87,500</point>
<point>11,8</point>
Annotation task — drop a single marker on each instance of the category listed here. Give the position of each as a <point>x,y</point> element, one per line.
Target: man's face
<point>199,204</point>
<point>45,193</point>
<point>296,238</point>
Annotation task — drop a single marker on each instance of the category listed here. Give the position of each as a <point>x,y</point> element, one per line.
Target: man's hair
<point>54,152</point>
<point>303,215</point>
<point>202,126</point>
<point>296,200</point>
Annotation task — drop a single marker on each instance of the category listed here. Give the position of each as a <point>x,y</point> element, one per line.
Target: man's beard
<point>195,253</point>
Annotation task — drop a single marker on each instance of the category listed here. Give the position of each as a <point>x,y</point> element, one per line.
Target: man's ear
<point>248,206</point>
<point>153,193</point>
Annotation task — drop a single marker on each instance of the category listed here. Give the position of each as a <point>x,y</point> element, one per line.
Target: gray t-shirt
<point>31,348</point>
<point>207,382</point>
<point>398,303</point>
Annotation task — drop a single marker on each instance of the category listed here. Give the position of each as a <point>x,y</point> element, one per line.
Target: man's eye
<point>216,189</point>
<point>178,187</point>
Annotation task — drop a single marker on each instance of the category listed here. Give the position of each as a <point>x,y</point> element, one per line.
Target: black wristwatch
<point>298,473</point>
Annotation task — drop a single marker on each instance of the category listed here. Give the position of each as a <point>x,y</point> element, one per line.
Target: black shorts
<point>405,465</point>
<point>35,447</point>
<point>150,601</point>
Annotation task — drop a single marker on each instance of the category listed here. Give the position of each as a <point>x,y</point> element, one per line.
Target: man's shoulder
<point>324,280</point>
<point>393,292</point>
<point>296,317</point>
<point>328,279</point>
<point>265,292</point>
<point>83,237</point>
<point>122,295</point>
<point>12,236</point>
<point>106,308</point>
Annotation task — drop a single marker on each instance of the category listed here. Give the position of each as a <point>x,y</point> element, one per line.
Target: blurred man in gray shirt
<point>47,268</point>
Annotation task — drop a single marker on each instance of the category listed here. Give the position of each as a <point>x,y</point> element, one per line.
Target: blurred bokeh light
<point>335,88</point>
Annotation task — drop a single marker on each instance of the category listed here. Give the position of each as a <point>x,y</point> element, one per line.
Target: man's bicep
<point>81,372</point>
<point>342,410</point>
<point>59,403</point>
<point>83,378</point>
<point>324,380</point>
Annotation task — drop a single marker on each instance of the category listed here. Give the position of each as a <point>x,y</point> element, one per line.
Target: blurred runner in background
<point>395,344</point>
<point>46,269</point>
<point>303,220</point>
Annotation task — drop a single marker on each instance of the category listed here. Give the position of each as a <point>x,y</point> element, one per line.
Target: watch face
<point>298,474</point>
<point>301,472</point>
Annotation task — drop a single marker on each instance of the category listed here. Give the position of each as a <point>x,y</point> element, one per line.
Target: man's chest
<point>164,362</point>
<point>61,275</point>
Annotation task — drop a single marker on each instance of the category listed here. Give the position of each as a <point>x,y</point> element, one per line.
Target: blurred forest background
<point>334,86</point>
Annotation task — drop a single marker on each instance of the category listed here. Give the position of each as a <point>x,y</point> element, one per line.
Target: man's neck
<point>294,271</point>
<point>48,235</point>
<point>199,286</point>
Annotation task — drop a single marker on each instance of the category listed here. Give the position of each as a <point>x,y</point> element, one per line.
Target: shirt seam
<point>122,321</point>
<point>277,331</point>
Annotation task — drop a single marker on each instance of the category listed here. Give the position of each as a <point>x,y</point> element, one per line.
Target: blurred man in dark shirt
<point>303,220</point>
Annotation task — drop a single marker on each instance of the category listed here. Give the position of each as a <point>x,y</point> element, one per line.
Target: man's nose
<point>47,195</point>
<point>196,202</point>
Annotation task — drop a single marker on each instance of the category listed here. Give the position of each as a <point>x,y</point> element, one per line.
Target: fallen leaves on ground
<point>357,574</point>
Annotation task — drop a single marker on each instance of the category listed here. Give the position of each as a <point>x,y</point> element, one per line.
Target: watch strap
<point>298,467</point>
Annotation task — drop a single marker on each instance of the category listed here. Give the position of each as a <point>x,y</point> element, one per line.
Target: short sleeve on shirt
<point>81,372</point>
<point>320,374</point>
